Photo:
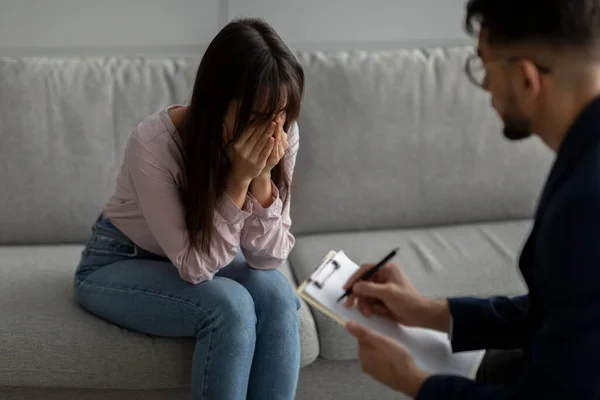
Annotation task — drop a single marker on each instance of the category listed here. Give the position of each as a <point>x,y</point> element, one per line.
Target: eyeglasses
<point>476,70</point>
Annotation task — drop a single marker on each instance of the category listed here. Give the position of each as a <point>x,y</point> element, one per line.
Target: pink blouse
<point>145,206</point>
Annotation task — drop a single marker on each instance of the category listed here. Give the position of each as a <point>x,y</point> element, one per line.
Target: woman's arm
<point>262,190</point>
<point>265,239</point>
<point>158,197</point>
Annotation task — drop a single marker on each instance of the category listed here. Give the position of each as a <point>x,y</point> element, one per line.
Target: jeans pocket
<point>102,243</point>
<point>106,246</point>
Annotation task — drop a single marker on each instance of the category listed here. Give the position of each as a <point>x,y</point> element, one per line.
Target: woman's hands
<point>261,187</point>
<point>250,152</point>
<point>279,148</point>
<point>253,155</point>
<point>258,150</point>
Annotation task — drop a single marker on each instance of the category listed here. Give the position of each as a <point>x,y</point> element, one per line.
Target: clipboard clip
<point>321,284</point>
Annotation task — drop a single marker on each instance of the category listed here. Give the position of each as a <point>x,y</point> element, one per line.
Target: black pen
<point>369,274</point>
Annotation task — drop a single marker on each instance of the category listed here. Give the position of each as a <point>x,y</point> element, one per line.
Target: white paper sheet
<point>430,349</point>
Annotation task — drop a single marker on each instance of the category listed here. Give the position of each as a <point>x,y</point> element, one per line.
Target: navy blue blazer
<point>557,323</point>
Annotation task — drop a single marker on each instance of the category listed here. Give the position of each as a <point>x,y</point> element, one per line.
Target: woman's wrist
<point>237,189</point>
<point>261,189</point>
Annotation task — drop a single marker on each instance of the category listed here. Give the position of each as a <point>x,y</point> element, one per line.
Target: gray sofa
<point>396,148</point>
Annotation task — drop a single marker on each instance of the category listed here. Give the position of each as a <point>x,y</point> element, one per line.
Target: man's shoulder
<point>582,185</point>
<point>567,242</point>
<point>574,207</point>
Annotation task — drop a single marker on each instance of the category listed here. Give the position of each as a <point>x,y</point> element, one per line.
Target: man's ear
<point>531,76</point>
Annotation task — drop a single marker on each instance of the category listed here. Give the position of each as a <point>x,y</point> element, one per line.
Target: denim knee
<point>233,312</point>
<point>275,294</point>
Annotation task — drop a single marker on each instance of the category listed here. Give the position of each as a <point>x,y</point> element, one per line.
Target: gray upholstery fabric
<point>327,380</point>
<point>322,380</point>
<point>400,139</point>
<point>27,393</point>
<point>46,339</point>
<point>63,125</point>
<point>477,260</point>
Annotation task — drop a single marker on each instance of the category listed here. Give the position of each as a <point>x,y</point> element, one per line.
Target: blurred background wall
<point>94,27</point>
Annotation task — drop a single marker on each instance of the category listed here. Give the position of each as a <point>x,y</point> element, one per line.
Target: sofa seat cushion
<point>477,260</point>
<point>47,340</point>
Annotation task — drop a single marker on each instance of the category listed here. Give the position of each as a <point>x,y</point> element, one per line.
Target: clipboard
<point>314,279</point>
<point>431,350</point>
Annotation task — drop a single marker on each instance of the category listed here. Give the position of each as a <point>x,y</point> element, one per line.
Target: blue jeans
<point>245,321</point>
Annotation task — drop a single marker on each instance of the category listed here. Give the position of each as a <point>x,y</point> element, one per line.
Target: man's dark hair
<point>557,23</point>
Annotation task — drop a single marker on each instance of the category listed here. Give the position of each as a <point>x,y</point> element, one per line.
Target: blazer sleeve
<point>496,322</point>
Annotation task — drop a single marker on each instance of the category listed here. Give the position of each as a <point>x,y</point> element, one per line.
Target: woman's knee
<point>232,307</point>
<point>272,293</point>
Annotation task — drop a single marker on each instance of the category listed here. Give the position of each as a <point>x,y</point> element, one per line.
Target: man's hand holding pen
<point>390,293</point>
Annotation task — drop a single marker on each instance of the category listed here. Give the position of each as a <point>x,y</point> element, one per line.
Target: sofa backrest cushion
<point>387,140</point>
<point>64,124</point>
<point>403,139</point>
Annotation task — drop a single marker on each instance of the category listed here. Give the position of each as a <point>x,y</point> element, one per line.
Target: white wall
<point>186,26</point>
<point>342,23</point>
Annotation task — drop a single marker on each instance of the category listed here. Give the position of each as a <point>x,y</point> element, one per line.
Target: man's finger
<point>362,333</point>
<point>357,330</point>
<point>370,338</point>
<point>365,307</point>
<point>380,309</point>
<point>379,291</point>
<point>350,301</point>
<point>356,276</point>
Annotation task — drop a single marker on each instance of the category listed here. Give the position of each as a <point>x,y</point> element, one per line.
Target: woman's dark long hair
<point>247,61</point>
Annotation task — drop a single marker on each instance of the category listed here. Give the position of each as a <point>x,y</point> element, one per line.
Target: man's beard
<point>516,125</point>
<point>516,129</point>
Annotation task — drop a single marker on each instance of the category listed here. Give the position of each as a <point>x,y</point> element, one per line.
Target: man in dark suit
<point>540,62</point>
